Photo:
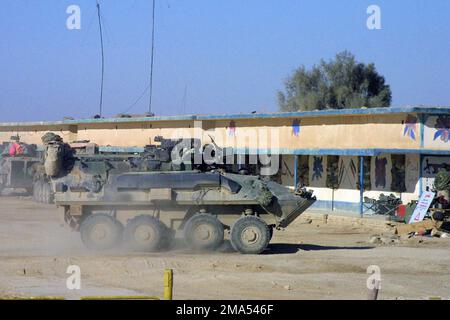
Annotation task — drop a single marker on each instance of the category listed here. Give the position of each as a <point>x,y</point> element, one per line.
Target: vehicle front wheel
<point>250,235</point>
<point>47,193</point>
<point>37,186</point>
<point>100,232</point>
<point>51,194</point>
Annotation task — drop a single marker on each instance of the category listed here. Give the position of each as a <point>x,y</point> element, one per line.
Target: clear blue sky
<point>232,55</point>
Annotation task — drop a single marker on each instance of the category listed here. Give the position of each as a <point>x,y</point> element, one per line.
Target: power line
<point>152,58</point>
<point>137,100</point>
<point>103,56</point>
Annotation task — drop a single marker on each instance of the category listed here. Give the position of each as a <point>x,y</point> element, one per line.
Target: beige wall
<point>33,134</point>
<point>348,132</point>
<point>385,131</point>
<point>133,134</point>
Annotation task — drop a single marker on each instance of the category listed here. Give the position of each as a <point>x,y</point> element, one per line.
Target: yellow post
<point>168,284</point>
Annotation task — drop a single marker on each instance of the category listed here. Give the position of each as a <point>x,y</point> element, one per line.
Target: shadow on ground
<point>286,248</point>
<point>281,248</point>
<point>11,193</point>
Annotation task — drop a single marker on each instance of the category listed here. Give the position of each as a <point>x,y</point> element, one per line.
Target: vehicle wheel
<point>145,233</point>
<point>250,235</point>
<point>33,194</point>
<point>37,191</point>
<point>51,194</point>
<point>47,193</point>
<point>438,216</point>
<point>203,232</point>
<point>100,232</point>
<point>44,192</point>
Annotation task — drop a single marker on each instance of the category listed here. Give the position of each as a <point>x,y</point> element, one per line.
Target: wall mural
<point>437,131</point>
<point>398,173</point>
<point>431,166</point>
<point>380,172</point>
<point>296,127</point>
<point>341,172</point>
<point>317,168</point>
<point>442,127</point>
<point>348,173</point>
<point>410,127</point>
<point>303,170</point>
<point>333,171</point>
<point>317,171</point>
<point>412,172</point>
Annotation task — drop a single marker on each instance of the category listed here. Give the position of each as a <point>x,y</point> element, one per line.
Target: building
<point>333,152</point>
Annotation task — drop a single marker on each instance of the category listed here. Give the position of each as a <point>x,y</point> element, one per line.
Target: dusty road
<point>306,261</point>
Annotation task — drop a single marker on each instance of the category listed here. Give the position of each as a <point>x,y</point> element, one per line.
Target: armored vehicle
<point>17,172</point>
<point>144,201</point>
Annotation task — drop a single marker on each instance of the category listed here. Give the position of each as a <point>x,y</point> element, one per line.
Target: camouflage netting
<point>255,189</point>
<point>264,197</point>
<point>51,137</point>
<point>442,181</point>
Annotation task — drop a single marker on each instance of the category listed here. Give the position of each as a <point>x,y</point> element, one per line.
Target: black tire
<point>42,191</point>
<point>100,232</point>
<point>145,233</point>
<point>203,232</point>
<point>250,235</point>
<point>44,194</point>
<point>47,192</point>
<point>35,186</point>
<point>438,216</point>
<point>38,191</point>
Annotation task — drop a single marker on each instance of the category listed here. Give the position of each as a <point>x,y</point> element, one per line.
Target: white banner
<point>422,207</point>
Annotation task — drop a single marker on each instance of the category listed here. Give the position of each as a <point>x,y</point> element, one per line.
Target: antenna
<point>152,58</point>
<point>103,56</point>
<point>183,103</point>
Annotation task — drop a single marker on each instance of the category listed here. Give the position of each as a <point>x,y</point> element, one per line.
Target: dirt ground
<point>305,261</point>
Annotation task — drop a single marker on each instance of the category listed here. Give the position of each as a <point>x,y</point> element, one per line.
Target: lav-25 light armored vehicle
<point>145,204</point>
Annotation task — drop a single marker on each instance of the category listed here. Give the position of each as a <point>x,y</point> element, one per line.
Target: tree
<point>337,84</point>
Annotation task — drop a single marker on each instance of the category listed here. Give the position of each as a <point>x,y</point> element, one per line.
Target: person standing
<point>15,149</point>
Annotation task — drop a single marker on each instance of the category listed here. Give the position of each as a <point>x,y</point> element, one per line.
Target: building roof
<point>305,114</point>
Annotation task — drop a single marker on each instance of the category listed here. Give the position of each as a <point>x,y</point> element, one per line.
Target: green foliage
<point>337,84</point>
<point>442,181</point>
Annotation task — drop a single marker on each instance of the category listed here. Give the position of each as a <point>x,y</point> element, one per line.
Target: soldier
<point>15,149</point>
